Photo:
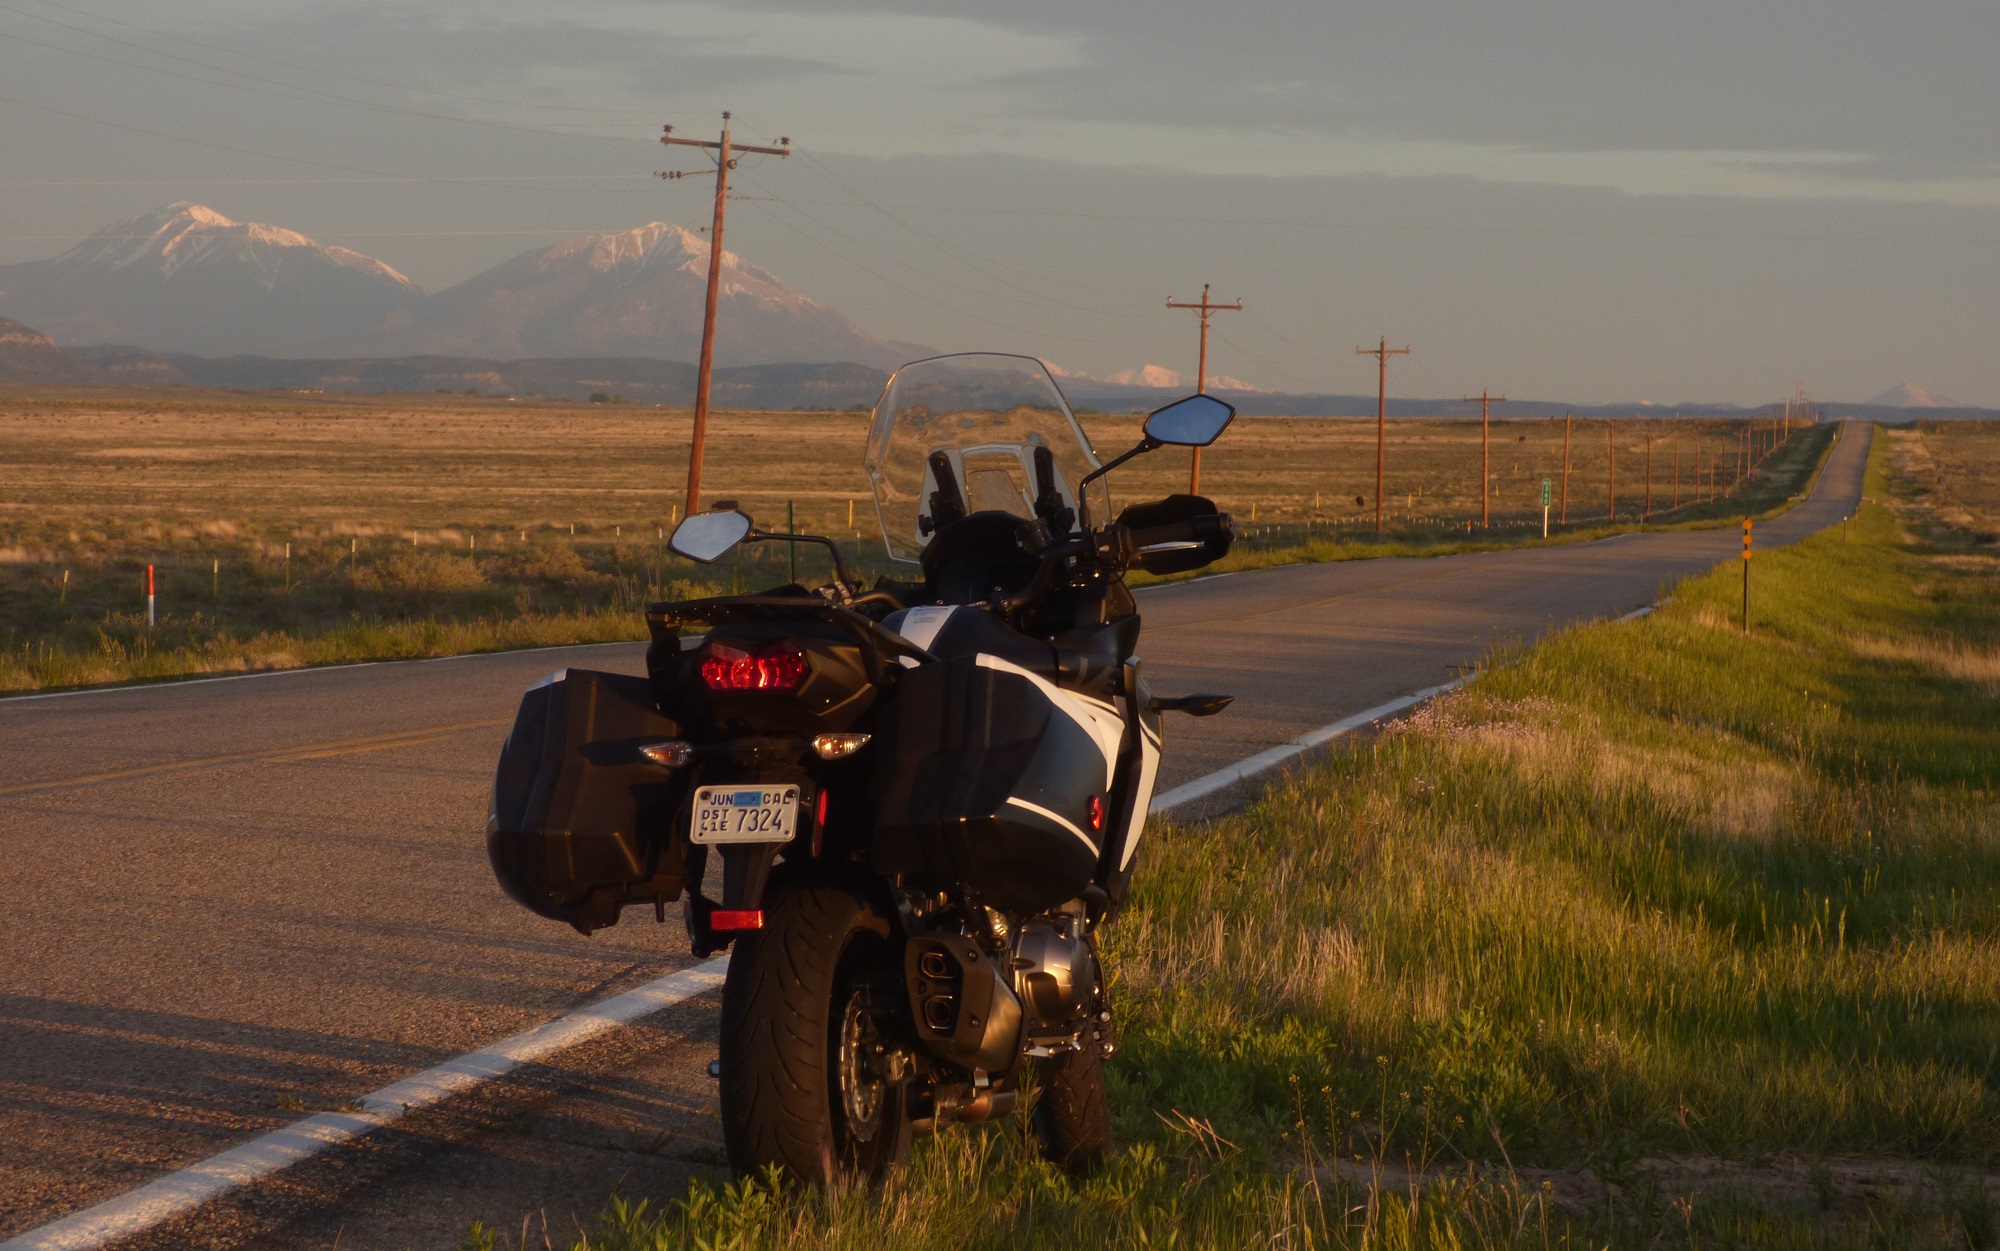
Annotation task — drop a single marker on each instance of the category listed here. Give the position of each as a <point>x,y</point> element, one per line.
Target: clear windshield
<point>985,414</point>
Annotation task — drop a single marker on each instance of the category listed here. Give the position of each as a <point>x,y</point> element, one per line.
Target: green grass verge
<point>1660,933</point>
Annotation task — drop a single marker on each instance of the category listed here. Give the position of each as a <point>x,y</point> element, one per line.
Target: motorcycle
<point>925,796</point>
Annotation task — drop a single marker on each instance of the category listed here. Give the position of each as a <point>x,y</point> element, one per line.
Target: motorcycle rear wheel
<point>1073,1112</point>
<point>800,1010</point>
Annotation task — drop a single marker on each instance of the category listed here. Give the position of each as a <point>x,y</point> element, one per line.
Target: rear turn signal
<point>838,746</point>
<point>672,753</point>
<point>729,919</point>
<point>779,667</point>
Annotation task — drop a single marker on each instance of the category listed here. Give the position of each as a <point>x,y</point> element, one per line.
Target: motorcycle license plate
<point>745,814</point>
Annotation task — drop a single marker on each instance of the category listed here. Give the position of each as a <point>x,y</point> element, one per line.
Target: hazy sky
<point>1607,202</point>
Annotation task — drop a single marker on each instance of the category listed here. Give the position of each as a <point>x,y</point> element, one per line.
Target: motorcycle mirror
<point>1196,421</point>
<point>705,537</point>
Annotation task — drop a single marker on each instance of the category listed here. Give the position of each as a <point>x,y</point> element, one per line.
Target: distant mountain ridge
<point>27,356</point>
<point>187,279</point>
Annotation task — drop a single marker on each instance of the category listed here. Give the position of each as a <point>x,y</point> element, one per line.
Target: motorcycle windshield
<point>986,414</point>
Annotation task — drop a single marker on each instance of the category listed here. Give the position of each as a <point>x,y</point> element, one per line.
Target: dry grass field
<point>1956,464</point>
<point>307,528</point>
<point>81,459</point>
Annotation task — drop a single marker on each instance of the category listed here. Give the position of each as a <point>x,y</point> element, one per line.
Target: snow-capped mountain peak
<point>185,233</point>
<point>1909,395</point>
<point>185,278</point>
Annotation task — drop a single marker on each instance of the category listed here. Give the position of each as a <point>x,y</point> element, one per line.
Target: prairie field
<point>1663,933</point>
<point>1955,465</point>
<point>289,529</point>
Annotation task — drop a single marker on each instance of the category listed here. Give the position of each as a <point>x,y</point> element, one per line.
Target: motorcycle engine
<point>1055,977</point>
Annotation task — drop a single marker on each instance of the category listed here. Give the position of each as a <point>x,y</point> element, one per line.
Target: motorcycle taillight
<point>779,667</point>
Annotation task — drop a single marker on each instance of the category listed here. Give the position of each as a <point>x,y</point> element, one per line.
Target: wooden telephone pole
<point>725,160</point>
<point>1201,368</point>
<point>1565,495</point>
<point>1381,352</point>
<point>1485,452</point>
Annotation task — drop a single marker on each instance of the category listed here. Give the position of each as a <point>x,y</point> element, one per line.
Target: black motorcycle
<point>925,796</point>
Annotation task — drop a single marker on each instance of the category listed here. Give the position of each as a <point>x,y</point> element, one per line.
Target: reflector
<point>729,919</point>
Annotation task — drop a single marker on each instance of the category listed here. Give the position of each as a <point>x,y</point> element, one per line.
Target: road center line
<point>306,751</point>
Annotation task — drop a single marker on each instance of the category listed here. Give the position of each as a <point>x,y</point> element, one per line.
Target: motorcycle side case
<point>988,778</point>
<point>581,823</point>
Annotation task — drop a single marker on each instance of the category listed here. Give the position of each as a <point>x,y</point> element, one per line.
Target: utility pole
<point>1677,465</point>
<point>1611,469</point>
<point>1381,352</point>
<point>1485,451</point>
<point>1648,513</point>
<point>725,160</point>
<point>1201,368</point>
<point>1565,495</point>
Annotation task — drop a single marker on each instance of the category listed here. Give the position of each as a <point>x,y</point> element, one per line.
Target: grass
<point>1955,467</point>
<point>1661,933</point>
<point>291,529</point>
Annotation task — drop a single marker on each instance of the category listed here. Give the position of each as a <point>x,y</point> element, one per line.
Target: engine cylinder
<point>1055,978</point>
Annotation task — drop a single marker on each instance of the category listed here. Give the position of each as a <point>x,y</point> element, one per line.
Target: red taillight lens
<point>1097,812</point>
<point>779,667</point>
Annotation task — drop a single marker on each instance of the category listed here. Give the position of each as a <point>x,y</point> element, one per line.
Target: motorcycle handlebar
<point>1179,536</point>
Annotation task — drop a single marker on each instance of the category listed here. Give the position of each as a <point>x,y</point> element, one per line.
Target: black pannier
<point>994,783</point>
<point>581,823</point>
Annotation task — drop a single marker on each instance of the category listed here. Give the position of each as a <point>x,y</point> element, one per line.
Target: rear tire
<point>1073,1115</point>
<point>800,1019</point>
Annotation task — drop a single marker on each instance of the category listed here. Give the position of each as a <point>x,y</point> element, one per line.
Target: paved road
<point>229,901</point>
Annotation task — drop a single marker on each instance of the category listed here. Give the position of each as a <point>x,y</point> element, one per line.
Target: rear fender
<point>746,870</point>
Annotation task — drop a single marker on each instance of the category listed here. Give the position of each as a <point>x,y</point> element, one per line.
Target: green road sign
<point>1545,492</point>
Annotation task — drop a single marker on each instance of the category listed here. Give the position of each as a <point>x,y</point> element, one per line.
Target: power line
<point>931,239</point>
<point>283,91</point>
<point>306,182</point>
<point>892,257</point>
<point>1436,228</point>
<point>241,151</point>
<point>315,69</point>
<point>926,297</point>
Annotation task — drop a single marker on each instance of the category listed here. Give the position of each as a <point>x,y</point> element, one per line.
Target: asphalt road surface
<point>229,903</point>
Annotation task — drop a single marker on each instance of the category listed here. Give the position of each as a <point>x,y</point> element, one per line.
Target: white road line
<point>175,683</point>
<point>178,1194</point>
<point>1188,792</point>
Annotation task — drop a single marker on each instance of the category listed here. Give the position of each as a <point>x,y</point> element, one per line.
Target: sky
<point>1602,202</point>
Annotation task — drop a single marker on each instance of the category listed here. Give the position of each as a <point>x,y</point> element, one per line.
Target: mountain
<point>634,293</point>
<point>1145,376</point>
<point>1909,395</point>
<point>28,355</point>
<point>185,278</point>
